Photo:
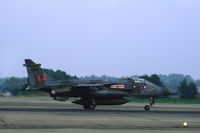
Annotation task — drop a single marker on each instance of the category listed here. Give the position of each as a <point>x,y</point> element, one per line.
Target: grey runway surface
<point>45,115</point>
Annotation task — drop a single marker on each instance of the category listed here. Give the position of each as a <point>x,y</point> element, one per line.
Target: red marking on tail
<point>39,78</point>
<point>44,77</point>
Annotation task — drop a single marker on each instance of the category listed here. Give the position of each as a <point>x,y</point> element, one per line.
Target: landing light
<point>185,124</point>
<point>53,92</point>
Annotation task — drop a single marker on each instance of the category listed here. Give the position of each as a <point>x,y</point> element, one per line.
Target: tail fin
<point>36,76</point>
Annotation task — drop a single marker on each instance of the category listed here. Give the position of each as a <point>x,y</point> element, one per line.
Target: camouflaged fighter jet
<point>92,93</point>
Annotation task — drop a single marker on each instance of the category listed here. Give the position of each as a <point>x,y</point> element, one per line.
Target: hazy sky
<point>112,37</point>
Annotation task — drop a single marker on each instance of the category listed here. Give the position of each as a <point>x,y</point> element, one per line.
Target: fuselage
<point>104,92</point>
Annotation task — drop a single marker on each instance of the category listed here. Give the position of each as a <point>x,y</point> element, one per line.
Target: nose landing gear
<point>147,107</point>
<point>152,102</point>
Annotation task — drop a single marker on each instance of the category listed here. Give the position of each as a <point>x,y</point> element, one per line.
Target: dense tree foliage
<point>58,75</point>
<point>172,81</point>
<point>187,90</point>
<point>2,80</point>
<point>197,82</point>
<point>13,85</point>
<point>154,78</point>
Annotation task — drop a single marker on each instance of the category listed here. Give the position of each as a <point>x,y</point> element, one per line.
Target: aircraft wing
<point>90,85</point>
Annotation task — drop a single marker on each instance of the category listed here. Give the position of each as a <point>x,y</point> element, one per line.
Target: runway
<point>43,114</point>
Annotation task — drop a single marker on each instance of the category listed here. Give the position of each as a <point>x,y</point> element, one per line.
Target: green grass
<point>166,100</point>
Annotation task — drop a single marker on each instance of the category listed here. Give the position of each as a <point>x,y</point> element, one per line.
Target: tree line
<point>186,89</point>
<point>14,85</point>
<point>186,86</point>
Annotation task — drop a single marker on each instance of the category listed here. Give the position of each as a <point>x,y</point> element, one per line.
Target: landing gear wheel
<point>89,107</point>
<point>152,102</point>
<point>90,104</point>
<point>147,107</point>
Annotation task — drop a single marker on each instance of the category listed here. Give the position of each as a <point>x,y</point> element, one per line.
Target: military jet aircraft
<point>92,93</point>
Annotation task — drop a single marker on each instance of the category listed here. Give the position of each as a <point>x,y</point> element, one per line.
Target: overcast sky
<point>112,37</point>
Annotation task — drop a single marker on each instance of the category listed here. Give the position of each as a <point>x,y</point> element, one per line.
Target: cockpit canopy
<point>140,80</point>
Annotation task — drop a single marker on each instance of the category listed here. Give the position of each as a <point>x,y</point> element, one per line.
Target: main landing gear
<point>152,102</point>
<point>90,104</point>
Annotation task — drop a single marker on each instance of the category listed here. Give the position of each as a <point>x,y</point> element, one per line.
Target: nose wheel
<point>147,107</point>
<point>152,102</point>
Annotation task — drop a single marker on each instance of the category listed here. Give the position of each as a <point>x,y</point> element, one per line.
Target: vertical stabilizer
<point>36,76</point>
